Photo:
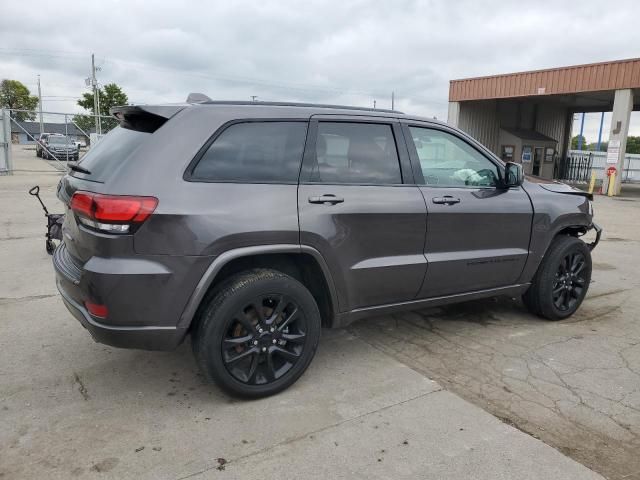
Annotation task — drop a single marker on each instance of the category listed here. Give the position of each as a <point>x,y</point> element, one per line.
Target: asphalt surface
<point>405,396</point>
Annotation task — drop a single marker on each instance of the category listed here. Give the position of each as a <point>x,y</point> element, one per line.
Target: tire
<point>264,306</point>
<point>562,280</point>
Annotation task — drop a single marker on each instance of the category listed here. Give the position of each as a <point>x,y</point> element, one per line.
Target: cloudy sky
<point>347,51</point>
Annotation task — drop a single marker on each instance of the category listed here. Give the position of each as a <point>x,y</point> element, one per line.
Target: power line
<point>300,87</point>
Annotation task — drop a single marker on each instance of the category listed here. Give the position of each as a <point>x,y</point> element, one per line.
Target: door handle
<point>446,200</point>
<point>326,199</point>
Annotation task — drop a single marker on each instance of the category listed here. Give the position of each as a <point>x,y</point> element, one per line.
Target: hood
<point>557,187</point>
<point>53,146</point>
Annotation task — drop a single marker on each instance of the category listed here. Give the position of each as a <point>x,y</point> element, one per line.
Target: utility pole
<point>96,95</point>
<point>392,100</point>
<point>40,107</point>
<point>253,98</point>
<point>374,104</point>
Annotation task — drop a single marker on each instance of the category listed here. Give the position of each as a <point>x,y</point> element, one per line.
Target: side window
<point>448,161</point>
<point>361,153</point>
<point>254,152</point>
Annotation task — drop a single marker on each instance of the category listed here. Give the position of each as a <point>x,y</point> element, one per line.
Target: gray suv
<point>60,147</point>
<point>249,226</point>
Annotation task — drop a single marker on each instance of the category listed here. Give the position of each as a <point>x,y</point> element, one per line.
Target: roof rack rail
<point>297,104</point>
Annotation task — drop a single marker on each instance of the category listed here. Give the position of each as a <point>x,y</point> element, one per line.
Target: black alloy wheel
<point>562,280</point>
<point>264,339</point>
<point>256,333</point>
<point>569,281</point>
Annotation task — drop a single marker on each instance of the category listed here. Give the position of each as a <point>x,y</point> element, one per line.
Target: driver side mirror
<point>513,175</point>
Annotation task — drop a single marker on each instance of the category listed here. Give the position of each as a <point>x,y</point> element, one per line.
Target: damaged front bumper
<point>598,229</point>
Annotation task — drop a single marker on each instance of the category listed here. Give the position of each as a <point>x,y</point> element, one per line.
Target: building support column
<point>453,117</point>
<point>622,107</point>
<point>565,146</point>
<point>6,165</point>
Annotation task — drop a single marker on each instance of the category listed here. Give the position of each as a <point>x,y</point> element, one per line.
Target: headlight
<point>590,208</point>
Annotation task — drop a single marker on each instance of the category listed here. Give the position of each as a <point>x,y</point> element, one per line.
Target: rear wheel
<point>257,334</point>
<point>562,280</point>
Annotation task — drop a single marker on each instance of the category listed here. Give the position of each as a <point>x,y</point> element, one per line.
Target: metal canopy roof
<point>571,80</point>
<point>529,135</point>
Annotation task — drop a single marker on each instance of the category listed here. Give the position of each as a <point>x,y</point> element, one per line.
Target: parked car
<point>250,226</point>
<point>60,147</point>
<point>40,140</point>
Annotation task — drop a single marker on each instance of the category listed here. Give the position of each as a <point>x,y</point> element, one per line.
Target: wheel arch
<point>542,239</point>
<point>304,263</point>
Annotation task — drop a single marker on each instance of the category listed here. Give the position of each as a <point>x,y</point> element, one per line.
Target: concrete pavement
<point>574,384</point>
<point>70,408</point>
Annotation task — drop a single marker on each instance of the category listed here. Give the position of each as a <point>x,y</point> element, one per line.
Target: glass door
<point>538,153</point>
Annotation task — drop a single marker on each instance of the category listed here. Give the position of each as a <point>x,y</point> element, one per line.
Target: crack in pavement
<point>28,298</point>
<point>81,387</point>
<point>21,237</point>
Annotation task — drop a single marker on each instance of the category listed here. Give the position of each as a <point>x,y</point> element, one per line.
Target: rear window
<point>111,152</point>
<point>268,152</point>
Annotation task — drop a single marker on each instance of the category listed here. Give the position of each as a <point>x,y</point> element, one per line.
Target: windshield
<point>59,140</point>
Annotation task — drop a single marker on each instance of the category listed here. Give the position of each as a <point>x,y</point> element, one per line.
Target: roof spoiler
<point>144,118</point>
<point>197,98</point>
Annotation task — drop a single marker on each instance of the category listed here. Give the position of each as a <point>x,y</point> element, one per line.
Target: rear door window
<point>110,152</point>
<point>255,152</point>
<point>355,153</point>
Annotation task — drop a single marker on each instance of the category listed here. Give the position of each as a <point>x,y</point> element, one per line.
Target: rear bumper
<point>125,328</point>
<point>143,338</point>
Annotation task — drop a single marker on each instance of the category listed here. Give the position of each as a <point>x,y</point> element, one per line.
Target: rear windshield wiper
<point>77,168</point>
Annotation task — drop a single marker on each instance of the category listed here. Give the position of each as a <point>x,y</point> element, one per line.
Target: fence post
<point>6,162</point>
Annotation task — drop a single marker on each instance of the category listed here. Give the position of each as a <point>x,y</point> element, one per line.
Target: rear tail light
<point>112,213</point>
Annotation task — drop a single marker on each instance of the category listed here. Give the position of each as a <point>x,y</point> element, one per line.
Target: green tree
<point>110,96</point>
<point>14,94</point>
<point>633,144</point>
<point>593,146</point>
<point>575,140</point>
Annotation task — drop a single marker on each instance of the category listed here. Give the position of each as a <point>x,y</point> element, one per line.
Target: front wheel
<point>562,279</point>
<point>257,334</point>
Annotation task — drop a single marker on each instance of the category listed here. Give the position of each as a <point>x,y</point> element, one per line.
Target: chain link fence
<point>59,138</point>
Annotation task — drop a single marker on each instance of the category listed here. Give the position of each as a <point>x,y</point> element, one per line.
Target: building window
<point>548,154</point>
<point>508,152</point>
